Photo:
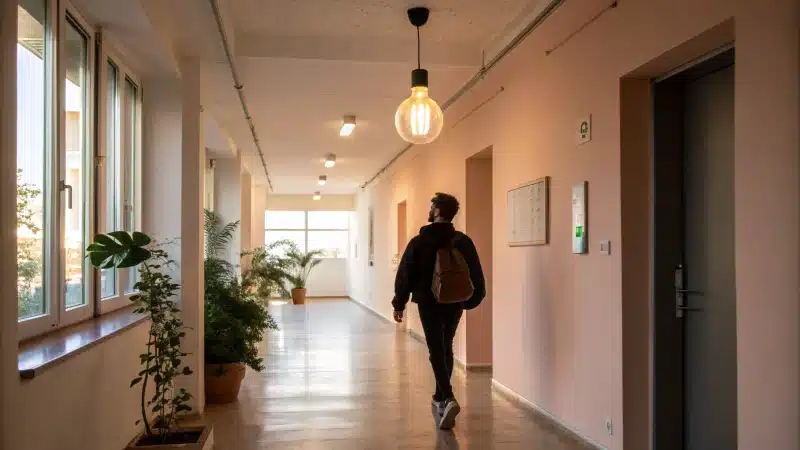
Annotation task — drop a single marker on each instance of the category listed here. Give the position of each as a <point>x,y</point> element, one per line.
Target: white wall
<point>328,279</point>
<point>84,403</point>
<point>228,201</point>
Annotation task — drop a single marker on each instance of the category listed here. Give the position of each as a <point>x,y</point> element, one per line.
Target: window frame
<point>305,230</point>
<point>36,325</point>
<point>68,13</point>
<point>61,14</point>
<point>107,52</point>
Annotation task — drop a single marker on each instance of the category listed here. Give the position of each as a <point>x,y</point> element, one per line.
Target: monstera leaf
<point>118,249</point>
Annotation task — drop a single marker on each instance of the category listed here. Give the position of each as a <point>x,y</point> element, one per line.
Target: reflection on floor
<point>338,377</point>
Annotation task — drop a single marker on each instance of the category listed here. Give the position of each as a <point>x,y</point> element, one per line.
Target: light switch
<point>605,248</point>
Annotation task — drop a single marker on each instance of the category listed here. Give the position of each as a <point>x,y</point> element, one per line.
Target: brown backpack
<point>451,280</point>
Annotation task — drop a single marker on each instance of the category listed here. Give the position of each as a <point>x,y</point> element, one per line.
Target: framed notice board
<point>529,213</point>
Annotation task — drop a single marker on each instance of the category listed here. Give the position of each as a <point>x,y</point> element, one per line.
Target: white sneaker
<point>451,410</point>
<point>439,407</point>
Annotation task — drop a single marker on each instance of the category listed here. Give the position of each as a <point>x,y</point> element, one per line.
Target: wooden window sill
<point>46,351</point>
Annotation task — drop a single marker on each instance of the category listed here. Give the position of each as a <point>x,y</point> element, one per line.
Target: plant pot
<point>187,438</point>
<point>299,296</point>
<point>223,382</point>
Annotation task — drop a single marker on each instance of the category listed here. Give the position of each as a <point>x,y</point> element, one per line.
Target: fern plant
<point>235,319</point>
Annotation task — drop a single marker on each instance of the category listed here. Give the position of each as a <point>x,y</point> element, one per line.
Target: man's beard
<point>430,217</point>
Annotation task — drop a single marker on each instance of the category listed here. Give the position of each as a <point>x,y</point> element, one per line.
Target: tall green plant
<point>270,269</point>
<point>235,320</point>
<point>162,362</point>
<point>303,263</point>
<point>218,234</point>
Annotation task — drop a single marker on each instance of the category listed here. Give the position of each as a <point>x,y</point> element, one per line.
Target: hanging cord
<point>419,62</point>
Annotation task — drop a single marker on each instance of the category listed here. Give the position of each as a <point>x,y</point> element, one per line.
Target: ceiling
<point>304,64</point>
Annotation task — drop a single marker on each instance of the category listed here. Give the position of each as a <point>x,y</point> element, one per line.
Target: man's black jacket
<point>415,274</point>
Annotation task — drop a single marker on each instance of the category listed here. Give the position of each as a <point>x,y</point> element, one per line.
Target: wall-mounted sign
<point>585,130</point>
<point>579,219</point>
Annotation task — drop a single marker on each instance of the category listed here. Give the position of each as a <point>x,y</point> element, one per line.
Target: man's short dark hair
<point>447,204</point>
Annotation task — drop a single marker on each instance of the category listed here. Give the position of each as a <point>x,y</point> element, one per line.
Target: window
<point>120,146</point>
<point>34,129</point>
<point>326,231</point>
<point>60,202</point>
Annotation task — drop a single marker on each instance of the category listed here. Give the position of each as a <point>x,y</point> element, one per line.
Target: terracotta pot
<point>202,439</point>
<point>223,382</point>
<point>299,296</point>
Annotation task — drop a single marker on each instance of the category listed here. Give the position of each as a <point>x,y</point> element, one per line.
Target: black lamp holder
<point>418,17</point>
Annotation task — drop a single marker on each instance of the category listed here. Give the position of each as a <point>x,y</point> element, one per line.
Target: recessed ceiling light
<point>317,196</point>
<point>322,180</point>
<point>348,125</point>
<point>330,160</point>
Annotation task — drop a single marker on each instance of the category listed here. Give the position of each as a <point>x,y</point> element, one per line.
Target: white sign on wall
<point>584,132</point>
<point>528,213</point>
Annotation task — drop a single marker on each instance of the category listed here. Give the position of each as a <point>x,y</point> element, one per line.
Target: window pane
<point>32,148</point>
<point>332,243</point>
<point>328,220</point>
<point>129,175</point>
<point>108,277</point>
<point>298,237</point>
<point>76,95</point>
<point>285,220</point>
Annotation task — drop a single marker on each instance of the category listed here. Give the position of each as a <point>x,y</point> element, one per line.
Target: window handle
<point>66,187</point>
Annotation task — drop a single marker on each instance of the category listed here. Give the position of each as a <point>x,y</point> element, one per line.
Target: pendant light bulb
<point>330,160</point>
<point>317,196</point>
<point>419,119</point>
<point>322,180</point>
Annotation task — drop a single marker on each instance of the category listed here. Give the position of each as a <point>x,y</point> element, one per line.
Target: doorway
<point>694,280</point>
<point>479,206</point>
<point>402,227</point>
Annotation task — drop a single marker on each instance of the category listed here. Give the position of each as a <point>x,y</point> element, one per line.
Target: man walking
<point>429,273</point>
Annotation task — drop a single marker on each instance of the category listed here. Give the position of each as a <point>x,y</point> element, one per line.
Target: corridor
<point>338,377</point>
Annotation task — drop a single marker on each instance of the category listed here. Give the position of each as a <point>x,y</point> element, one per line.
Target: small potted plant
<point>162,360</point>
<point>235,319</point>
<point>302,265</point>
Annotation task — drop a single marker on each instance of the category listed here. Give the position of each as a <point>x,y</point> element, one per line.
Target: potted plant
<point>235,319</point>
<point>302,264</point>
<point>162,360</point>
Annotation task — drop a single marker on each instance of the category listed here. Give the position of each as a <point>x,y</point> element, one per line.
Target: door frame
<point>668,232</point>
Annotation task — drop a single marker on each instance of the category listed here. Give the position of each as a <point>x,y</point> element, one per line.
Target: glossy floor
<point>338,377</point>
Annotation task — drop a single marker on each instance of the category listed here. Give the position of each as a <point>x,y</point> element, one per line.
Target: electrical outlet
<point>609,426</point>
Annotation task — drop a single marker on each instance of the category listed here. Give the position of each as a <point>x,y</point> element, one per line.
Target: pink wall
<point>558,317</point>
<point>477,323</point>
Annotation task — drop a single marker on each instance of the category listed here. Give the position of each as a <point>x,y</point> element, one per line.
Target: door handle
<point>66,187</point>
<point>689,292</point>
<point>681,293</point>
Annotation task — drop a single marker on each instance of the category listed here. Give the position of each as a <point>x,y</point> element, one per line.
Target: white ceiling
<point>306,63</point>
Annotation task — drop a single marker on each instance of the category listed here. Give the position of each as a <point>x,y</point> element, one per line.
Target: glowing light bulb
<point>322,180</point>
<point>330,160</point>
<point>419,119</point>
<point>317,196</point>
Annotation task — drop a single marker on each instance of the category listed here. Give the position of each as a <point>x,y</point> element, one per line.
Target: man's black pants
<point>440,323</point>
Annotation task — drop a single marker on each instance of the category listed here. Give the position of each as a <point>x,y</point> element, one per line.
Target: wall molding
<point>371,310</point>
<point>529,405</point>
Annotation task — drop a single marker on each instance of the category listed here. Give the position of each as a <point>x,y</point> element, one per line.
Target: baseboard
<point>527,404</point>
<point>416,335</point>
<point>372,310</point>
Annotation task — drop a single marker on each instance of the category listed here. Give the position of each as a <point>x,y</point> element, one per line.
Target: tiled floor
<point>339,377</point>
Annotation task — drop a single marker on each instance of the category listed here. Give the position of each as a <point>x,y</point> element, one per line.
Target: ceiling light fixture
<point>330,160</point>
<point>322,180</point>
<point>419,118</point>
<point>348,125</point>
<point>317,196</point>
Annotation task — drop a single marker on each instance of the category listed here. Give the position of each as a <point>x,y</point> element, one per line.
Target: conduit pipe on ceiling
<point>538,20</point>
<point>239,88</point>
